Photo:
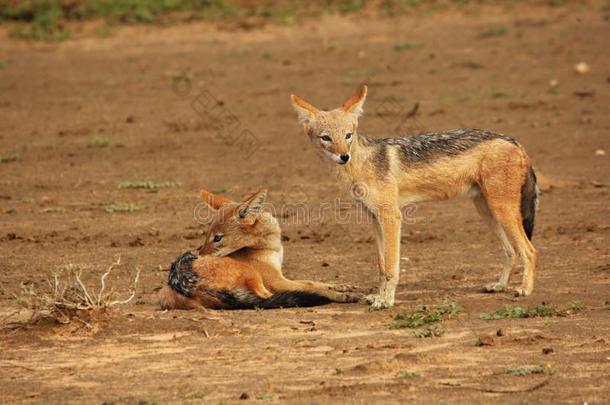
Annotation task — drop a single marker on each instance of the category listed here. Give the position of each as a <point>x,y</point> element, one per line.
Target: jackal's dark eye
<point>325,138</point>
<point>348,135</point>
<point>217,238</point>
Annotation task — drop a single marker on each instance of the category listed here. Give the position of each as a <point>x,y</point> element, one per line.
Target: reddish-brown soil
<point>139,88</point>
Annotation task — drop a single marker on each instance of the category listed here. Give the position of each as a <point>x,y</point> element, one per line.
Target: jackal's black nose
<point>345,158</point>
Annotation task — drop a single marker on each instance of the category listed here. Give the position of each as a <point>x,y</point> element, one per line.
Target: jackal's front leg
<point>388,238</point>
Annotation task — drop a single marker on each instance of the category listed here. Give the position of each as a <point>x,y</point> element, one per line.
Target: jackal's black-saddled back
<point>426,147</point>
<point>181,276</point>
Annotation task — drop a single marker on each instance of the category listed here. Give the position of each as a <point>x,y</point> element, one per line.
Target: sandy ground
<point>142,91</point>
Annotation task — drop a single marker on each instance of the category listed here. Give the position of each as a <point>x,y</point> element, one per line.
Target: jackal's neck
<point>360,153</point>
<point>268,246</point>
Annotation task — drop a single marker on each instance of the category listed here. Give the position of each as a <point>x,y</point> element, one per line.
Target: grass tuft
<point>529,370</point>
<point>193,395</point>
<point>100,141</point>
<point>403,46</point>
<point>500,94</point>
<point>8,158</point>
<point>151,186</point>
<point>513,312</point>
<point>497,31</point>
<point>576,306</point>
<point>120,207</point>
<point>407,374</point>
<point>264,397</point>
<point>538,311</point>
<point>429,331</point>
<point>424,315</point>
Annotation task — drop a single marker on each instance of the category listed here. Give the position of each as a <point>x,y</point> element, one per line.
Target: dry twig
<point>69,295</point>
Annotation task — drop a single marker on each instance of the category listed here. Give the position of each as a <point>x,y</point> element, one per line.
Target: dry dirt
<point>138,89</point>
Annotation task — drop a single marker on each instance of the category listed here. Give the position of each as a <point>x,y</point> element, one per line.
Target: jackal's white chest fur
<point>276,258</point>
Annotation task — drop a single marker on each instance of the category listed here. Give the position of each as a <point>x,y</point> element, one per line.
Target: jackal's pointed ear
<point>305,111</point>
<point>354,104</point>
<point>253,204</point>
<point>213,200</point>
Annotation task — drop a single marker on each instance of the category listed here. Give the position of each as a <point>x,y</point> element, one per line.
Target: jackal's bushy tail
<point>242,299</point>
<point>181,276</point>
<point>529,202</point>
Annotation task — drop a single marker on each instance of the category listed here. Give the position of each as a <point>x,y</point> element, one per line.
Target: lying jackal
<point>491,168</point>
<point>240,265</point>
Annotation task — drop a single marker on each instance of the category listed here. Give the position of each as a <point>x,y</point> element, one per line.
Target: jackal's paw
<point>343,288</point>
<point>494,287</point>
<point>351,297</point>
<point>522,292</point>
<point>377,302</point>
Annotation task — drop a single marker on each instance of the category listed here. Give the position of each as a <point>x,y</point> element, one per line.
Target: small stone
<point>485,341</point>
<point>553,83</point>
<point>547,350</point>
<point>581,68</point>
<point>244,396</point>
<point>324,264</point>
<point>500,332</point>
<point>600,152</point>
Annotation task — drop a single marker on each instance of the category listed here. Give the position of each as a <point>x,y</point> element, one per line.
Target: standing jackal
<point>240,265</point>
<point>493,169</point>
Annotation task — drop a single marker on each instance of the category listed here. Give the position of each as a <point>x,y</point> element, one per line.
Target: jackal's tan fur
<point>240,264</point>
<point>492,169</point>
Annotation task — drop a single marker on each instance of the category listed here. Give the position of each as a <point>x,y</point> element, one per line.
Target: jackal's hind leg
<point>510,263</point>
<point>331,287</point>
<point>283,284</point>
<point>509,220</point>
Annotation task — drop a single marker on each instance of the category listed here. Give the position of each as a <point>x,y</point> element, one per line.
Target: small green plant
<point>424,315</point>
<point>103,31</point>
<point>528,370</point>
<point>147,185</point>
<point>351,6</point>
<point>181,78</point>
<point>454,99</point>
<point>8,158</point>
<point>429,331</point>
<point>218,190</point>
<point>264,397</point>
<point>193,395</point>
<point>3,63</point>
<point>576,306</point>
<point>499,94</point>
<point>407,374</point>
<point>497,31</point>
<point>509,311</point>
<point>403,46</point>
<point>120,207</point>
<point>607,305</point>
<point>100,141</point>
<point>45,23</point>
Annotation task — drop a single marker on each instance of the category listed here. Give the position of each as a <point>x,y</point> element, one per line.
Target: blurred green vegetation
<point>49,20</point>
